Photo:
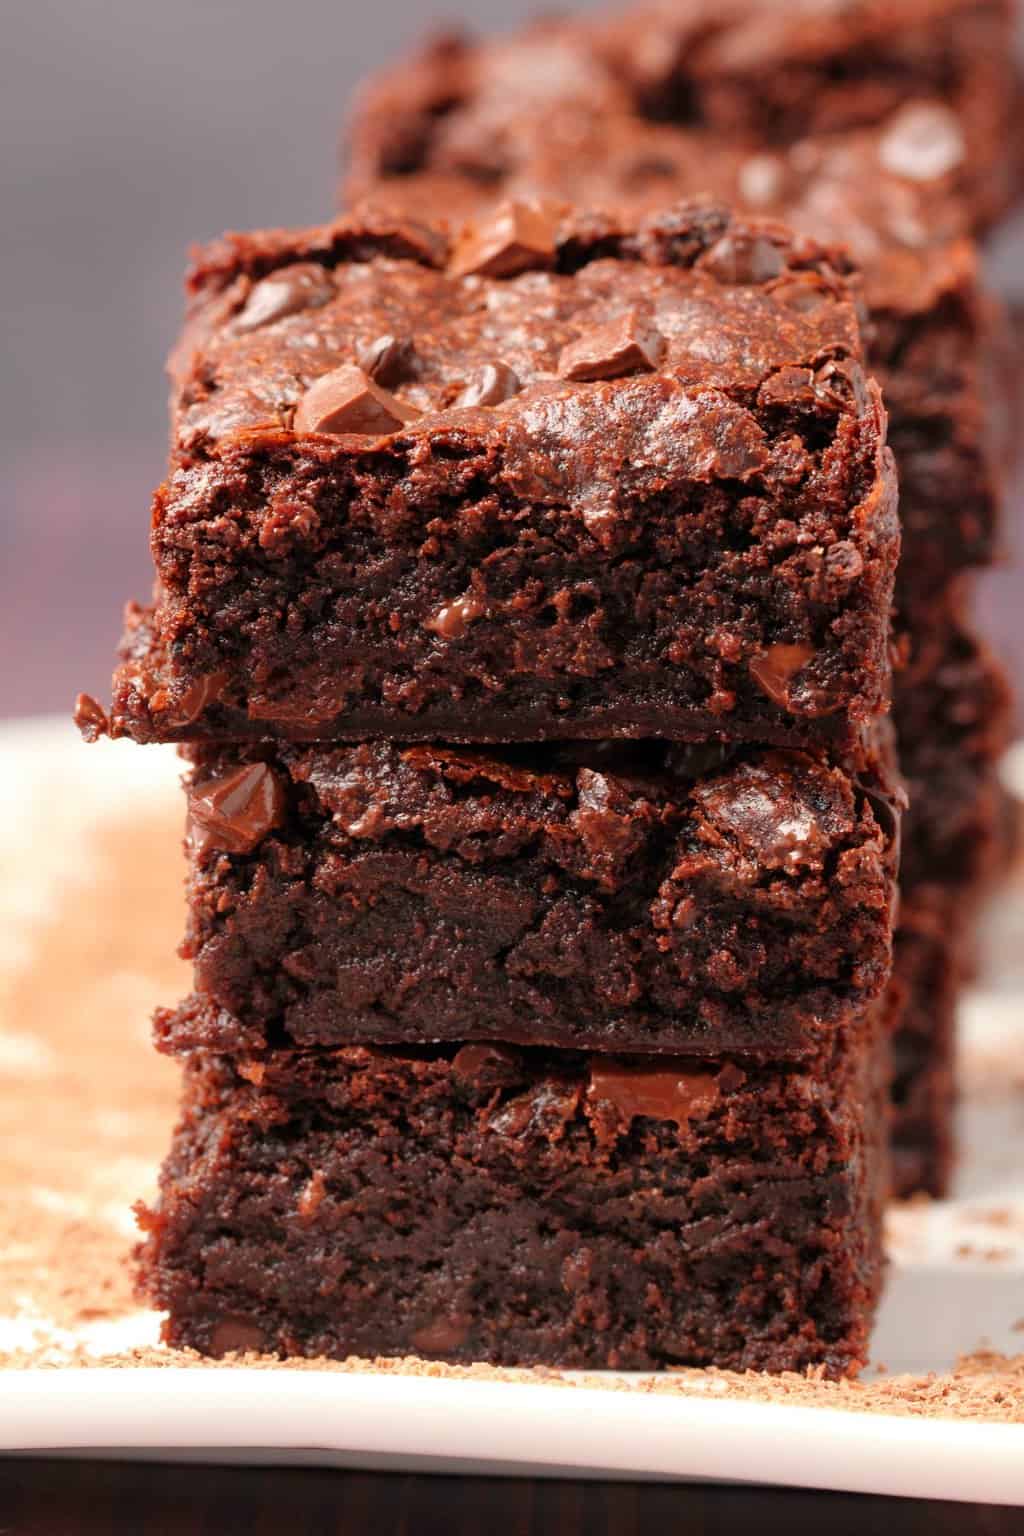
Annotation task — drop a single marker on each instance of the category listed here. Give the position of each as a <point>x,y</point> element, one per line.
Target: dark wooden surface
<point>64,1498</point>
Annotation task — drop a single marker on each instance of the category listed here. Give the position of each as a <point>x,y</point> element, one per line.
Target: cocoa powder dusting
<point>86,1106</point>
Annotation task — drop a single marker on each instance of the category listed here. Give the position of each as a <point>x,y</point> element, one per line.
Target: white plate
<point>956,1284</point>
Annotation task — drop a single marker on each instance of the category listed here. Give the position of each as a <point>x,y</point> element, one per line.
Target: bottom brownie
<point>526,1207</point>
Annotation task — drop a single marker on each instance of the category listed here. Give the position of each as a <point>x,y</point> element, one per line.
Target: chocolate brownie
<point>638,897</point>
<point>952,713</point>
<point>936,340</point>
<point>566,477</point>
<point>931,962</point>
<point>939,73</point>
<point>486,1203</point>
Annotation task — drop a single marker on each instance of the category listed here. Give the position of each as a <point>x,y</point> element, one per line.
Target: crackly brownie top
<point>532,320</point>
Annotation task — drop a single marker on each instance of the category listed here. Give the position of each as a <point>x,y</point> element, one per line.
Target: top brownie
<point>756,73</point>
<point>562,477</point>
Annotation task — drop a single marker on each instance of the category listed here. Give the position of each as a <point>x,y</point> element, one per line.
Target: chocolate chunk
<point>306,285</point>
<point>90,717</point>
<point>234,813</point>
<point>387,359</point>
<point>923,142</point>
<point>840,380</point>
<point>494,383</point>
<point>743,258</point>
<point>774,669</point>
<point>627,344</point>
<point>517,237</point>
<point>544,1110</point>
<point>666,1092</point>
<point>197,698</point>
<point>348,401</point>
<point>771,811</point>
<point>609,820</point>
<point>452,621</point>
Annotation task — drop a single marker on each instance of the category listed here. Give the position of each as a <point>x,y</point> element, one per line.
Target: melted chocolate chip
<point>453,620</point>
<point>347,400</point>
<point>494,383</point>
<point>667,1092</point>
<point>742,258</point>
<point>627,344</point>
<point>774,669</point>
<point>387,359</point>
<point>197,698</point>
<point>517,237</point>
<point>306,285</point>
<point>233,813</point>
<point>771,811</point>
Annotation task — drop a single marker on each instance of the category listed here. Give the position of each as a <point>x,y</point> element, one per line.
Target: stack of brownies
<point>524,602</point>
<point>895,130</point>
<point>524,610</point>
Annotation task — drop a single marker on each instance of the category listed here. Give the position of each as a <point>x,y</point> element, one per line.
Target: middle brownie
<point>639,896</point>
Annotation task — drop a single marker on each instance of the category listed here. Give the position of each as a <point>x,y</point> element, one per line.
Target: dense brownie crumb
<point>643,897</point>
<point>648,536</point>
<point>586,1212</point>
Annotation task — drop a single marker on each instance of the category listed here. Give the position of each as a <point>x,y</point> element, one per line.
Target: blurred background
<point>131,129</point>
